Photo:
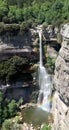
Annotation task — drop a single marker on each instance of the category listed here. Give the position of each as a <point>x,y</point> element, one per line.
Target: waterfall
<point>40,37</point>
<point>44,98</point>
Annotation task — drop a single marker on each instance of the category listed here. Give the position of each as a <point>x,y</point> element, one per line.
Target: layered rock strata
<point>61,82</point>
<point>25,44</point>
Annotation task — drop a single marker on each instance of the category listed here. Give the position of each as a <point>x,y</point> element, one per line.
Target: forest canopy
<point>34,11</point>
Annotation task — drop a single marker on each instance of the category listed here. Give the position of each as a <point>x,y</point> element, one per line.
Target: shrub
<point>12,69</point>
<point>12,108</point>
<point>8,109</point>
<point>1,98</point>
<point>24,27</point>
<point>46,127</point>
<point>1,28</point>
<point>45,49</point>
<point>5,113</point>
<point>20,102</point>
<point>12,29</point>
<point>50,62</point>
<point>1,107</point>
<point>5,19</point>
<point>7,125</point>
<point>9,19</point>
<point>3,9</point>
<point>10,125</point>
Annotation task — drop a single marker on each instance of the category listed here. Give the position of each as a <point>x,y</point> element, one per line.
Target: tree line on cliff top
<point>34,11</point>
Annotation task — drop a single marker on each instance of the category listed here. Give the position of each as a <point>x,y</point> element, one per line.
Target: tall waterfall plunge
<point>44,98</point>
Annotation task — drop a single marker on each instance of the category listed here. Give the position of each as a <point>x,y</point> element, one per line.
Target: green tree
<point>27,13</point>
<point>7,109</point>
<point>1,98</point>
<point>7,125</point>
<point>1,107</point>
<point>3,9</point>
<point>12,14</point>
<point>12,108</point>
<point>19,15</point>
<point>5,112</point>
<point>40,11</point>
<point>12,69</point>
<point>10,125</point>
<point>20,102</point>
<point>58,5</point>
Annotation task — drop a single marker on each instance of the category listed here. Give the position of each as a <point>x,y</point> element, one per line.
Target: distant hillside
<point>34,11</point>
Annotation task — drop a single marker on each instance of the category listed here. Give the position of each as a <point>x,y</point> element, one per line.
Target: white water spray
<point>40,37</point>
<point>44,98</point>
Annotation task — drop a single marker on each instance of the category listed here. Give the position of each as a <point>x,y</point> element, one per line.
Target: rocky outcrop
<point>20,45</point>
<point>61,78</point>
<point>25,44</point>
<point>60,113</point>
<point>61,82</point>
<point>8,51</point>
<point>26,126</point>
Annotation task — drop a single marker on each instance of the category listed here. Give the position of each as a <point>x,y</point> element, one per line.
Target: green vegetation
<point>8,109</point>
<point>45,127</point>
<point>13,29</point>
<point>18,68</point>
<point>20,102</point>
<point>34,11</point>
<point>13,69</point>
<point>10,124</point>
<point>12,108</point>
<point>50,62</point>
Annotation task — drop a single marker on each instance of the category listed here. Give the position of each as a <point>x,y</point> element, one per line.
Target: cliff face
<point>19,44</point>
<point>61,81</point>
<point>25,44</point>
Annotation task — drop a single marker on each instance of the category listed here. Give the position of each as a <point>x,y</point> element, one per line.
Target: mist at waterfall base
<point>45,84</point>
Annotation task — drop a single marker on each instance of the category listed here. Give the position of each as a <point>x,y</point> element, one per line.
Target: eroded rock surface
<point>61,81</point>
<point>25,45</point>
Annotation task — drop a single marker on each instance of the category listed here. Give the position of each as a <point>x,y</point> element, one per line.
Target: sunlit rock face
<point>61,82</point>
<point>65,31</point>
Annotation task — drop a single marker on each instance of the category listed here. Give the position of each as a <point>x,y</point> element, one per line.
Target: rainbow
<point>46,104</point>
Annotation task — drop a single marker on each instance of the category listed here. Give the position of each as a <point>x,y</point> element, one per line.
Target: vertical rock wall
<point>60,106</point>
